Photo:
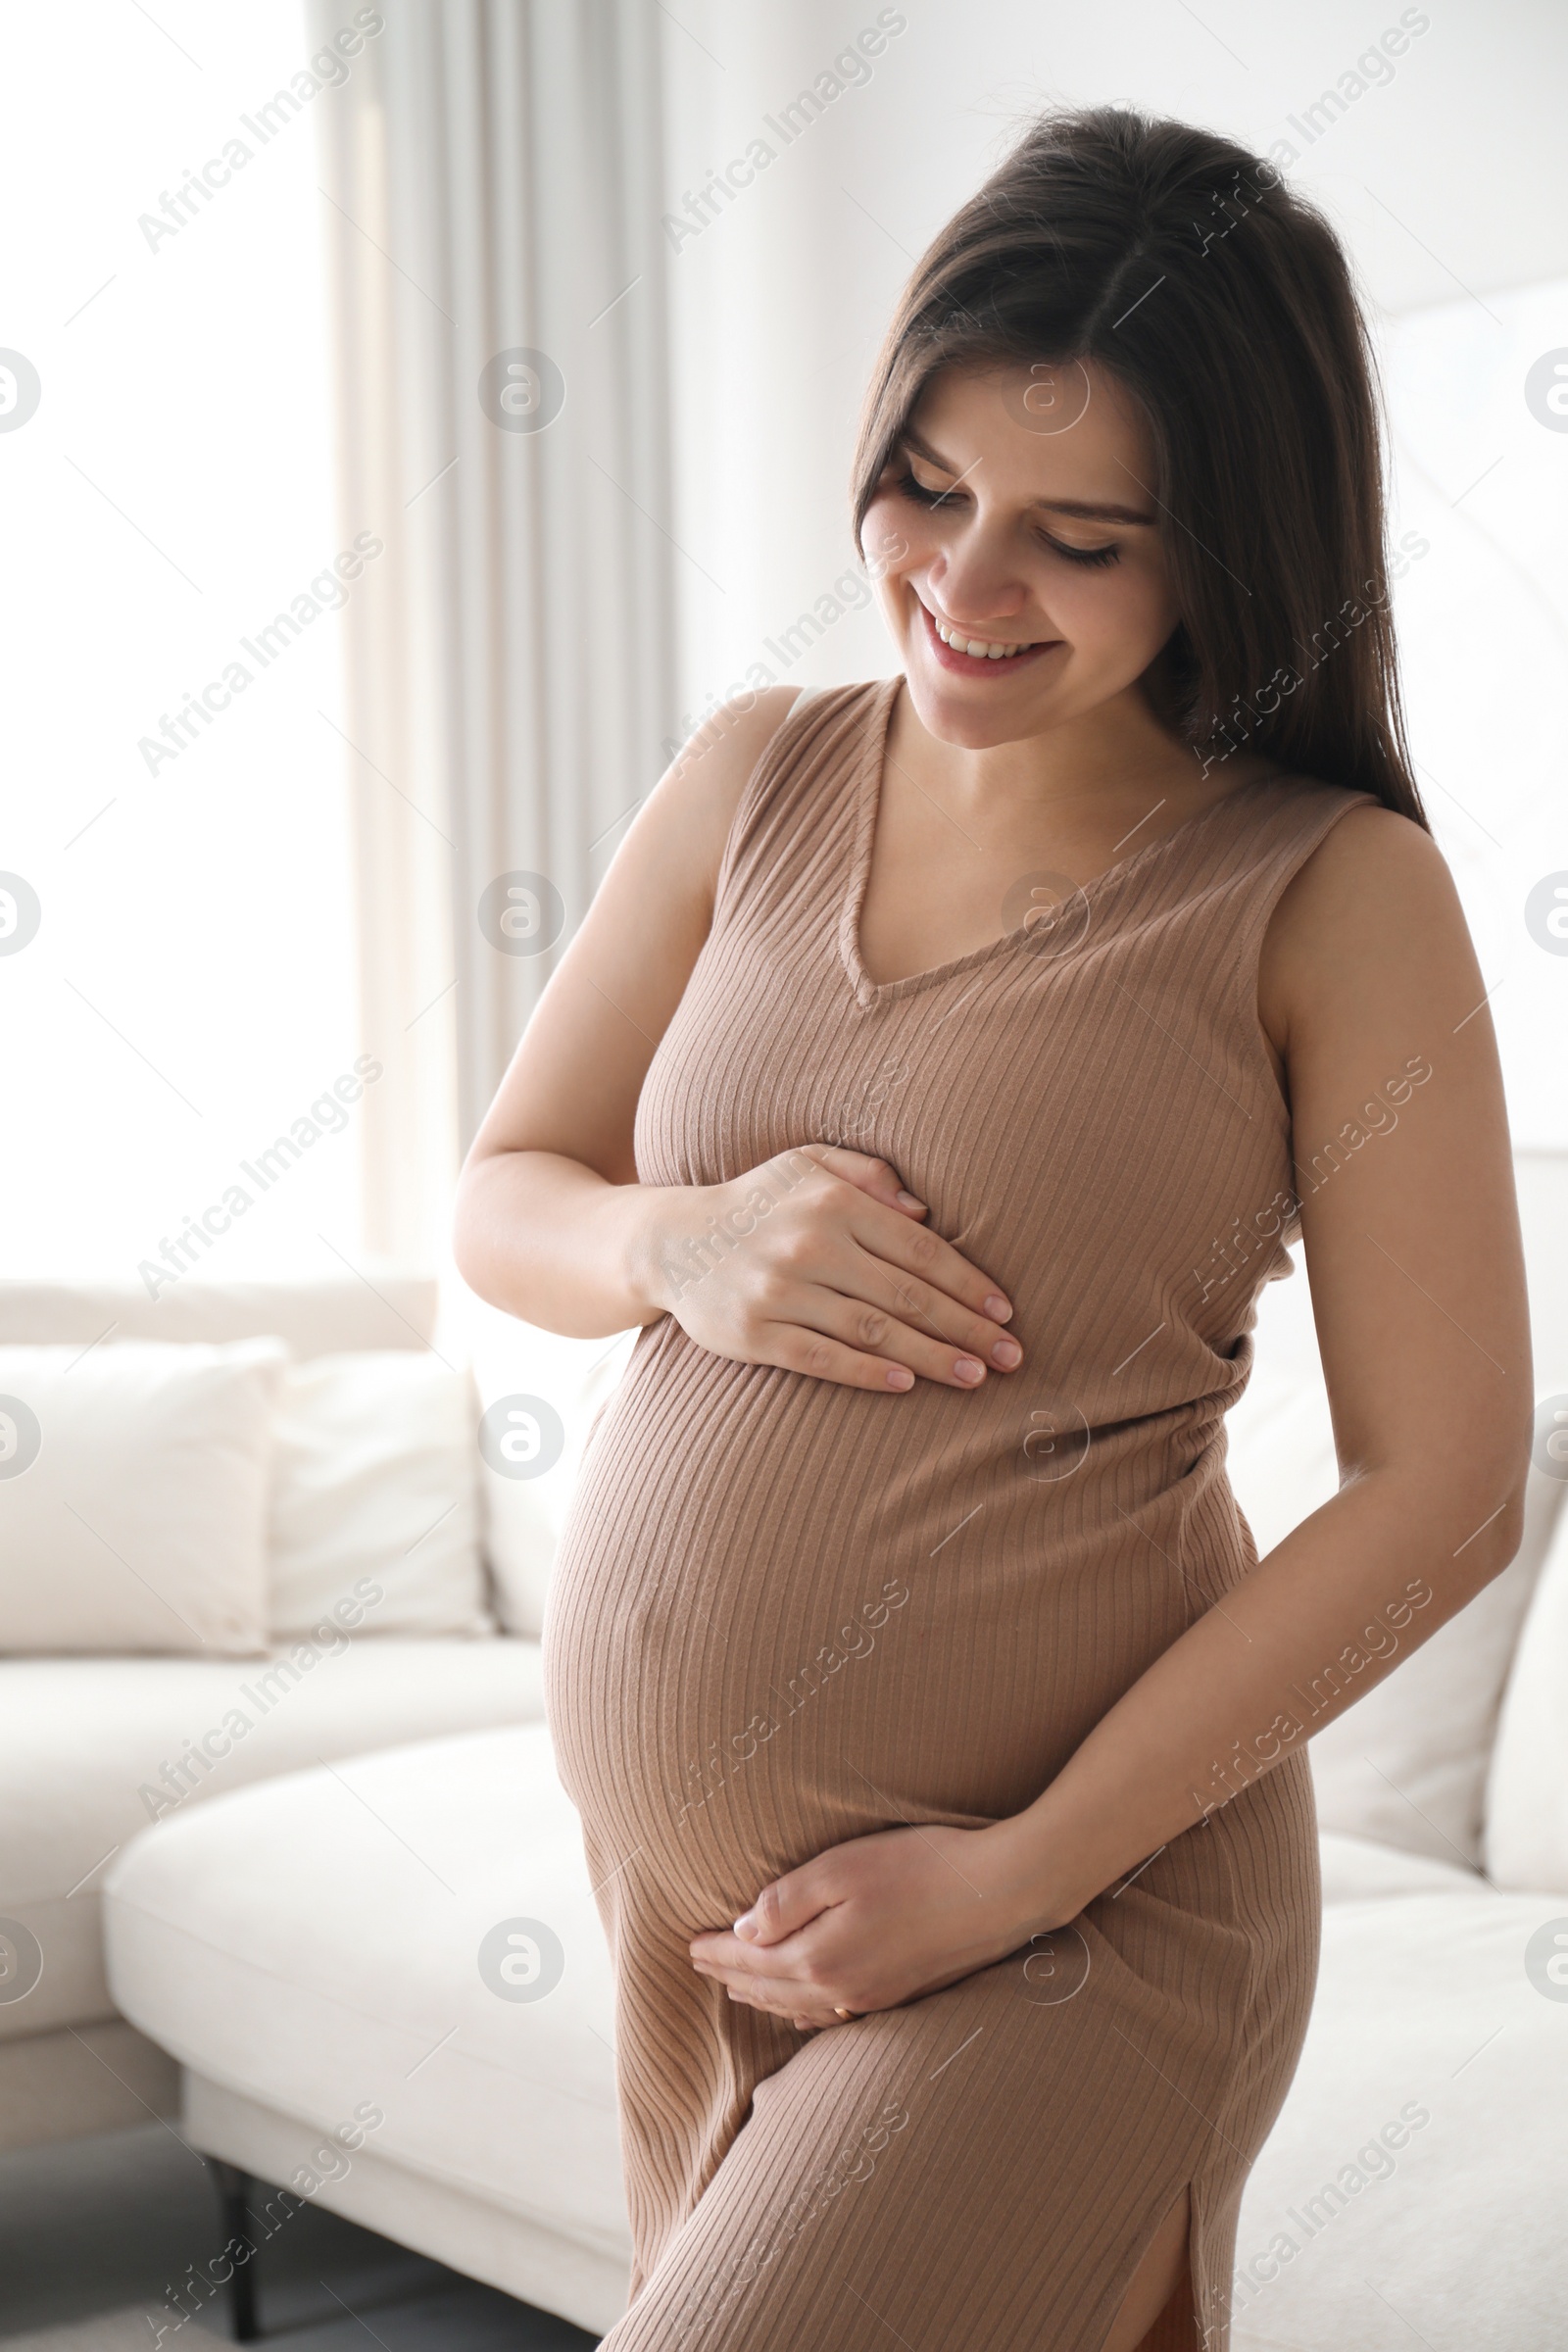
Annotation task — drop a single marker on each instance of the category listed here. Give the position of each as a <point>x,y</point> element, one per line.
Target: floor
<point>96,2236</point>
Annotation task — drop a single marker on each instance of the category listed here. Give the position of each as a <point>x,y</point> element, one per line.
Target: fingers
<point>834,1330</point>
<point>936,1318</point>
<point>847,1284</point>
<point>797,1349</point>
<point>807,2012</point>
<point>874,1177</point>
<point>763,1977</point>
<point>933,1262</point>
<point>806,2007</point>
<point>790,1902</point>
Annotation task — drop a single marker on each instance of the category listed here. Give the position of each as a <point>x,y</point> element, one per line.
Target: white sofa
<point>82,1735</point>
<point>318,1954</point>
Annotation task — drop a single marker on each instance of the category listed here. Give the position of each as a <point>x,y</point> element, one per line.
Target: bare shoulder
<point>1372,912</point>
<point>693,805</point>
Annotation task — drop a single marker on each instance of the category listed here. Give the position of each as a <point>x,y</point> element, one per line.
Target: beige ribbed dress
<point>786,1613</point>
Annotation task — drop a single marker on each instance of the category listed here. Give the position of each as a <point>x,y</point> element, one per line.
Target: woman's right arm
<point>838,1278</point>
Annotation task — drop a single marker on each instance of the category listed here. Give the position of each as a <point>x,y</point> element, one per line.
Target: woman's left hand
<point>871,1923</point>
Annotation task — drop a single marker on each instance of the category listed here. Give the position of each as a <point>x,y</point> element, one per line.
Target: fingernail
<point>969,1368</point>
<point>899,1377</point>
<point>746,1924</point>
<point>998,1309</point>
<point>1006,1353</point>
<point>909,1201</point>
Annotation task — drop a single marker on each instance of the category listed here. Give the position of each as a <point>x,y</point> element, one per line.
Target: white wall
<point>1484,634</point>
<point>1449,182</point>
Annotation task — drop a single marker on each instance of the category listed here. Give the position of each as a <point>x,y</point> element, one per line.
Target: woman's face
<point>1017,511</point>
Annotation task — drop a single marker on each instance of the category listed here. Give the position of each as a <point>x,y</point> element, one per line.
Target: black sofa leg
<point>233,2189</point>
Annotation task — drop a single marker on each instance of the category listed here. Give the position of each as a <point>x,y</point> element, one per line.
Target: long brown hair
<point>1223,302</point>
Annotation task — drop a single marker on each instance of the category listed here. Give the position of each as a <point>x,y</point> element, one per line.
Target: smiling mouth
<point>978,656</point>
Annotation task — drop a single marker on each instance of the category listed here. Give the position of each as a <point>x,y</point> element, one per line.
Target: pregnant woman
<point>940,1069</point>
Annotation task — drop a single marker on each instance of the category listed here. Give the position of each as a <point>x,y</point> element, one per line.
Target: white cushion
<point>1526,1798</point>
<point>1357,1870</point>
<point>308,1940</point>
<point>1448,2231</point>
<point>530,1457</point>
<point>134,1501</point>
<point>380,1309</point>
<point>1406,1765</point>
<point>375,1479</point>
<point>1540,1179</point>
<point>92,1749</point>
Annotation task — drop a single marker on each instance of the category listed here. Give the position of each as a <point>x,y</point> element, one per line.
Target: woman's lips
<point>979,665</point>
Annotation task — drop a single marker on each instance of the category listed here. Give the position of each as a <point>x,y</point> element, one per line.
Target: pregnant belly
<point>785,1613</point>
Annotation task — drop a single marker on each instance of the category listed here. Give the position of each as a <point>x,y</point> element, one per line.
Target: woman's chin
<point>956,713</point>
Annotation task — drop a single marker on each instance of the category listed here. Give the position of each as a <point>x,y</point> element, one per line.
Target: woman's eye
<point>1082,554</point>
<point>907,484</point>
<point>924,497</point>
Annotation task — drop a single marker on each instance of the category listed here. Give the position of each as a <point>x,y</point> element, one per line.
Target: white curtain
<point>492,191</point>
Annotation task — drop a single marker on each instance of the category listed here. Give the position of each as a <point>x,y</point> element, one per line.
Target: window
<point>174,794</point>
<point>1482,487</point>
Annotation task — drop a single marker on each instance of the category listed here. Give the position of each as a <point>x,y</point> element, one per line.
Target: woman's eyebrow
<point>1083,509</point>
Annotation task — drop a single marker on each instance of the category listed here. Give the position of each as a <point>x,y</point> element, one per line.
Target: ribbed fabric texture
<point>786,1613</point>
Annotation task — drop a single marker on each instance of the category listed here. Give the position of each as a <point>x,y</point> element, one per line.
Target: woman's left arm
<point>1370,993</point>
<point>1371,998</point>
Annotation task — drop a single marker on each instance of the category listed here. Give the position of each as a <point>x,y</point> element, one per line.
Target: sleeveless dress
<point>786,1613</point>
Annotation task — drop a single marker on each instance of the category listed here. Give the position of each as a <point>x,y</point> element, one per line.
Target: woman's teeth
<point>977,647</point>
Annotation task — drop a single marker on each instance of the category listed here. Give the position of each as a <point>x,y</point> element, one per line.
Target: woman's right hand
<point>817,1261</point>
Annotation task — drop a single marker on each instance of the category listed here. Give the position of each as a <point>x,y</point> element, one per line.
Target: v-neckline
<point>871,773</point>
